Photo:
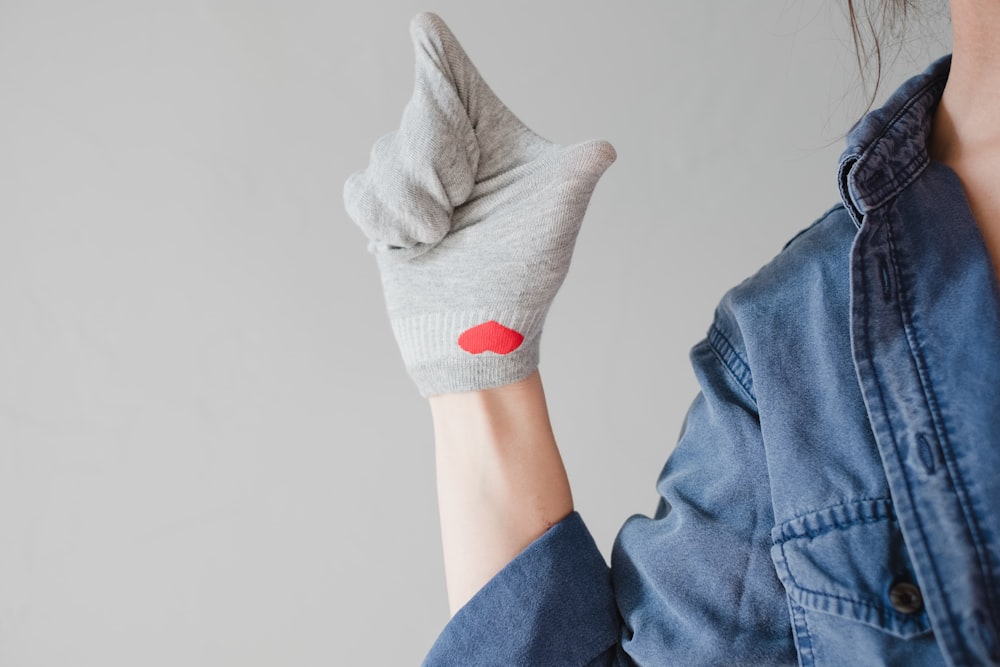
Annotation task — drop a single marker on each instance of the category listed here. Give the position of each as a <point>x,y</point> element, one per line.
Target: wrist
<point>501,480</point>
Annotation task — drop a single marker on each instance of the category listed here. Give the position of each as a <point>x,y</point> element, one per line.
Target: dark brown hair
<point>871,22</point>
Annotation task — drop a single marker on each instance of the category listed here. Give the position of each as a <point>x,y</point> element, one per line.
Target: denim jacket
<point>834,498</point>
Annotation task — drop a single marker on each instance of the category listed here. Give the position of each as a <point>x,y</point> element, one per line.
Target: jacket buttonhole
<point>883,269</point>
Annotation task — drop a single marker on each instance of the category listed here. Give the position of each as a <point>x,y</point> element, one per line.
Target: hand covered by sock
<point>473,219</point>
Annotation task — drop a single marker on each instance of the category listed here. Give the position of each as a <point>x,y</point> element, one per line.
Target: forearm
<point>501,480</point>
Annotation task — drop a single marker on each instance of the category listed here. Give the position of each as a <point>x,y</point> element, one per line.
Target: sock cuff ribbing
<point>473,349</point>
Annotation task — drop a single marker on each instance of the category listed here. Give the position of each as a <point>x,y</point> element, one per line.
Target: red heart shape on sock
<point>490,337</point>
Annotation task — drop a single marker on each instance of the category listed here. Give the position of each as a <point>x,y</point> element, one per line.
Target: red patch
<point>490,337</point>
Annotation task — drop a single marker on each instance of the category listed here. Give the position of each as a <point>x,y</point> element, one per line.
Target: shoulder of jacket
<point>814,261</point>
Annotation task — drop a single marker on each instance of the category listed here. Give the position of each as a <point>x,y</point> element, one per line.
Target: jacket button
<point>905,598</point>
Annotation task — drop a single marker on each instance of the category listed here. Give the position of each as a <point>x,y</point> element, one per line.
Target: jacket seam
<point>908,174</point>
<point>937,80</point>
<point>836,505</point>
<point>800,622</point>
<point>731,361</point>
<point>810,534</point>
<point>910,171</point>
<point>865,323</point>
<point>935,418</point>
<point>781,528</point>
<point>833,209</point>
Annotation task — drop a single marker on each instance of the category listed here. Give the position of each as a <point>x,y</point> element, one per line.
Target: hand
<point>473,219</point>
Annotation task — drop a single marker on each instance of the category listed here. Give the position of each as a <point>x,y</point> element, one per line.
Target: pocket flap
<point>846,560</point>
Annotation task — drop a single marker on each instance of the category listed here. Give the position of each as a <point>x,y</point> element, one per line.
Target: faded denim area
<point>833,497</point>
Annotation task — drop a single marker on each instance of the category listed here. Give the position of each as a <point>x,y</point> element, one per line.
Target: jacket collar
<point>887,148</point>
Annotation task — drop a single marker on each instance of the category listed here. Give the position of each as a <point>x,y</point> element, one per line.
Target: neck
<point>967,124</point>
<point>966,130</point>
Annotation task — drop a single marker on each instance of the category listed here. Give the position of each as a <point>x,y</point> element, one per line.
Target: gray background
<point>210,453</point>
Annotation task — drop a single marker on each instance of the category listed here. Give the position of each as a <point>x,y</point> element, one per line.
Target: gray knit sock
<point>473,218</point>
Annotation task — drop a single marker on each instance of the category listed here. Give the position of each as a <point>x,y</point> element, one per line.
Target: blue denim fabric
<point>564,572</point>
<point>843,454</point>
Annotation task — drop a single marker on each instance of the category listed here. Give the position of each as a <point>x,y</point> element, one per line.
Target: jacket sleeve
<point>695,584</point>
<point>551,605</point>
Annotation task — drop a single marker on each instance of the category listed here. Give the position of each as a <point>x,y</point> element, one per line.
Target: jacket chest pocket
<point>851,591</point>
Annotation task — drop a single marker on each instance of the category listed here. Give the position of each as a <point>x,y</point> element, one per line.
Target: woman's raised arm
<point>473,219</point>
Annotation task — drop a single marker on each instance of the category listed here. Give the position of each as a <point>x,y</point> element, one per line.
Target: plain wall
<point>210,453</point>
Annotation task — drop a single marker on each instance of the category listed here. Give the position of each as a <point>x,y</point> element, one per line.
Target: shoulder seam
<point>833,209</point>
<point>731,360</point>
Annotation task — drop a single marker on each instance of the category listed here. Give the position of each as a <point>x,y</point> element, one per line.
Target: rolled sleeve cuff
<point>552,605</point>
